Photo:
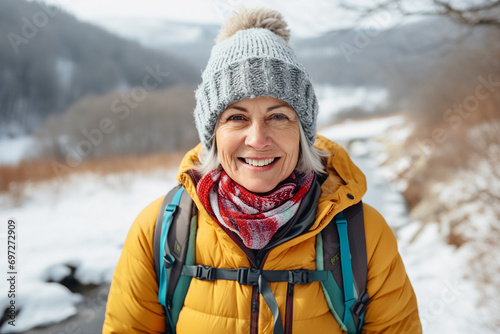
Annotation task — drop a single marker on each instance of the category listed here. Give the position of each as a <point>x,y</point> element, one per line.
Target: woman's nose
<point>258,136</point>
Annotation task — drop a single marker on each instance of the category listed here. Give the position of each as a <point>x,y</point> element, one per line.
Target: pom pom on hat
<point>255,18</point>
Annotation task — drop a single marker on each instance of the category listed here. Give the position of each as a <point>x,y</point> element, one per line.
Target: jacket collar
<point>345,184</point>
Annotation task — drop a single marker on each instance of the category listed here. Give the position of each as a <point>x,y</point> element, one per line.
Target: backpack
<point>341,264</point>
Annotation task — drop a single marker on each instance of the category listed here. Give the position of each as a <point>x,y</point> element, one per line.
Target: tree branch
<point>484,14</point>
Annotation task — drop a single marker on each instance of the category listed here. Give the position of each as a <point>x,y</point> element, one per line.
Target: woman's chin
<point>258,186</point>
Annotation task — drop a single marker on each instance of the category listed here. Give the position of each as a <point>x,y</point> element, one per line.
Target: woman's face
<point>258,142</point>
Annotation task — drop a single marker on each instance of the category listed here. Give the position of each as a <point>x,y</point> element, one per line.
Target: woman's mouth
<point>259,162</point>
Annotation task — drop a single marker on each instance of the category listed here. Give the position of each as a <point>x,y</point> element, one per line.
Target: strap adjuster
<point>359,306</point>
<point>298,276</point>
<point>205,273</point>
<point>171,208</point>
<point>248,276</point>
<point>168,260</point>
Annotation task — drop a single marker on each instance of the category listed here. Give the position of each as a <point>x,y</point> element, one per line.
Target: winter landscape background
<point>96,105</point>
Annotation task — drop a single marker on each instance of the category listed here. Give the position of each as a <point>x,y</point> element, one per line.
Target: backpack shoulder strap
<point>173,231</point>
<point>341,250</point>
<point>157,233</point>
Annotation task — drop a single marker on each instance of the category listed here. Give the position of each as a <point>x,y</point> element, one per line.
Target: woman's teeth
<point>259,163</point>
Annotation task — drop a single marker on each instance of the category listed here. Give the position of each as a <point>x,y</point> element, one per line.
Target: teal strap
<point>184,281</point>
<point>167,219</point>
<point>361,319</point>
<point>333,294</point>
<point>345,261</point>
<point>170,323</point>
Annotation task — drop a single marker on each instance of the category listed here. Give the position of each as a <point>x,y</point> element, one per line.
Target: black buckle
<point>248,276</point>
<point>359,306</point>
<point>298,276</point>
<point>205,273</point>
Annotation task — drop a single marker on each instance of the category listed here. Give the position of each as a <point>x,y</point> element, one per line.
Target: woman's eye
<point>235,118</point>
<point>279,116</point>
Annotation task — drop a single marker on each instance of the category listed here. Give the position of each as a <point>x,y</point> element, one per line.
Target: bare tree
<point>477,13</point>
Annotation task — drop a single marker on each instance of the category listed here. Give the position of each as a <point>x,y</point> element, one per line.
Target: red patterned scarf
<point>255,219</point>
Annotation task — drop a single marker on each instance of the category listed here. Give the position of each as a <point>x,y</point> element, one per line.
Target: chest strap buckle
<point>206,273</point>
<point>298,276</point>
<point>248,276</point>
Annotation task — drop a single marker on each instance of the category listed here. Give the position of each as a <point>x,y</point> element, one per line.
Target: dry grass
<point>457,152</point>
<point>476,140</point>
<point>12,178</point>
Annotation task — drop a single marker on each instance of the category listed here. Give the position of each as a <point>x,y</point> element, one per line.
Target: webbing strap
<point>167,219</point>
<point>361,319</point>
<point>271,302</point>
<point>183,283</point>
<point>252,276</point>
<point>345,262</point>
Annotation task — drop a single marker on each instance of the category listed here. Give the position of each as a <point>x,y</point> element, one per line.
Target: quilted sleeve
<point>393,305</point>
<point>133,305</point>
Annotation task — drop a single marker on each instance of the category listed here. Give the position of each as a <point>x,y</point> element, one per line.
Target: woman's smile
<point>258,162</point>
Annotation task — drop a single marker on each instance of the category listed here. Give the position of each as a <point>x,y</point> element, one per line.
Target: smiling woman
<point>281,242</point>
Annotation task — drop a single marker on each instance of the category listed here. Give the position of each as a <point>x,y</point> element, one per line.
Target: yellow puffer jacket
<point>225,306</point>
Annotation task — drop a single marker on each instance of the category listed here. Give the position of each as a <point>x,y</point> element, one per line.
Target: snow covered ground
<point>12,150</point>
<point>80,224</point>
<point>334,100</point>
<point>83,224</point>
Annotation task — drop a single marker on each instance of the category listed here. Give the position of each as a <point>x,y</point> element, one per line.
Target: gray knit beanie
<point>254,59</point>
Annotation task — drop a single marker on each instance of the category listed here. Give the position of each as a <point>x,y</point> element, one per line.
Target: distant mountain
<point>397,59</point>
<point>376,57</point>
<point>49,60</point>
<point>190,41</point>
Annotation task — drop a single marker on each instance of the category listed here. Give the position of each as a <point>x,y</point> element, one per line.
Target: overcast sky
<point>305,17</point>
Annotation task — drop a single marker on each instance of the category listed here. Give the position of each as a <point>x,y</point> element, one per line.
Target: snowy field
<point>80,224</point>
<point>334,100</point>
<point>83,223</point>
<point>13,150</point>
